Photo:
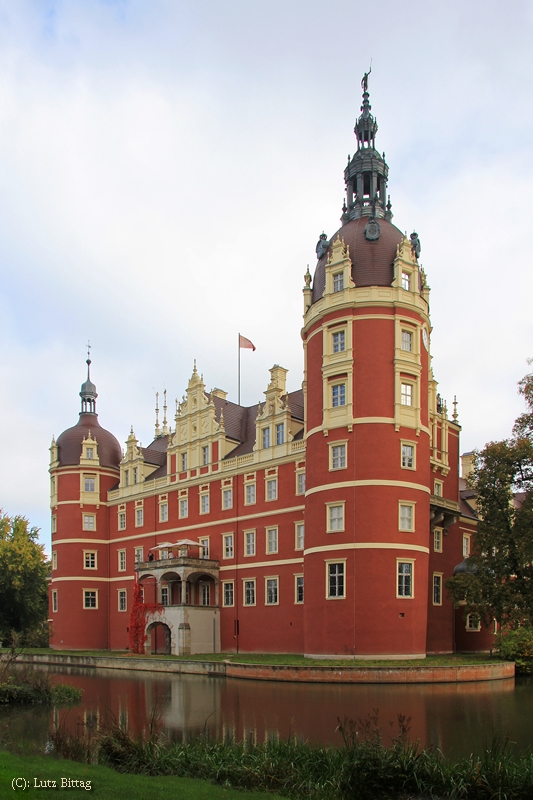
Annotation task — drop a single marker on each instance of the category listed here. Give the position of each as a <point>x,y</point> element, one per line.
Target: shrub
<point>517,646</point>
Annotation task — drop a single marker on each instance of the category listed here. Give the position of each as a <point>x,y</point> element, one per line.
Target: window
<point>335,579</point>
<point>206,594</point>
<point>339,342</point>
<point>135,474</point>
<point>437,589</point>
<point>163,553</point>
<point>466,545</point>
<point>163,512</point>
<point>407,341</point>
<point>204,547</point>
<point>121,561</point>
<point>122,521</point>
<point>227,596</point>
<point>473,622</point>
<point>406,281</point>
<point>338,282</point>
<point>89,522</point>
<point>437,488</point>
<point>89,483</point>
<point>139,517</point>
<point>271,591</point>
<point>407,517</point>
<point>405,578</point>
<point>406,398</point>
<point>266,437</point>
<point>299,536</point>
<point>437,540</point>
<point>227,498</point>
<point>249,497</point>
<point>139,554</point>
<point>280,433</point>
<point>204,504</point>
<point>184,462</point>
<point>89,559</point>
<point>298,588</point>
<point>249,543</point>
<point>338,395</point>
<point>205,455</point>
<point>228,545</point>
<point>335,517</point>
<point>164,596</point>
<point>338,456</point>
<point>54,523</point>
<point>126,477</point>
<point>54,601</point>
<point>184,507</point>
<point>122,600</point>
<point>408,456</point>
<point>272,540</point>
<point>272,489</point>
<point>300,483</point>
<point>249,593</point>
<point>54,559</point>
<point>90,598</point>
<point>89,452</point>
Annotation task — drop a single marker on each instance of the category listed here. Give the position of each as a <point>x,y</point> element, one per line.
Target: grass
<point>106,782</point>
<point>286,659</point>
<point>22,685</point>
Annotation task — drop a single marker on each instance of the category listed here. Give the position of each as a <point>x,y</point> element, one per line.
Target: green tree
<point>498,583</point>
<point>23,571</point>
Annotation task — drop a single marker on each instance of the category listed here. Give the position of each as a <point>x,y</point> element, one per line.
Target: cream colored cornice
<point>350,484</point>
<point>261,564</point>
<point>367,546</point>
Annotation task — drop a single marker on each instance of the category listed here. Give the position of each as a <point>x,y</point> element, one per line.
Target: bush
<point>517,646</point>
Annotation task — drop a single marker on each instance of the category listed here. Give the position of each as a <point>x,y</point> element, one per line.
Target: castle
<point>323,521</point>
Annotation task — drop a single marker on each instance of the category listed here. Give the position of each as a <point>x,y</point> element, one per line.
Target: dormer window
<point>135,474</point>
<point>338,282</point>
<point>266,437</point>
<point>406,281</point>
<point>184,462</point>
<point>280,433</point>
<point>89,452</point>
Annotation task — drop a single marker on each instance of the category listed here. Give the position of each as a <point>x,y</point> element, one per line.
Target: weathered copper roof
<point>371,260</point>
<point>69,443</point>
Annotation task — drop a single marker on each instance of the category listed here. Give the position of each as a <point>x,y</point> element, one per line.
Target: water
<point>457,718</point>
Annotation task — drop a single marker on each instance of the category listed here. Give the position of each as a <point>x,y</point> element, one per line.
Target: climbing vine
<point>138,614</point>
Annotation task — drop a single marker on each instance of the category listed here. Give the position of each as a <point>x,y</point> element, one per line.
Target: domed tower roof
<point>69,444</point>
<point>367,229</point>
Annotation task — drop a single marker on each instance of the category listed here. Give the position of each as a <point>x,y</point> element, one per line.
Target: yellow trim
<point>367,546</point>
<point>349,484</point>
<point>90,608</point>
<point>87,578</point>
<point>81,541</point>
<point>259,564</point>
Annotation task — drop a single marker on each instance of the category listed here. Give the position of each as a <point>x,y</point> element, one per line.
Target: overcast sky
<point>166,168</point>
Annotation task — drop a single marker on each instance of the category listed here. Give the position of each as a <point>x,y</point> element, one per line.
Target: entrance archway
<point>160,638</point>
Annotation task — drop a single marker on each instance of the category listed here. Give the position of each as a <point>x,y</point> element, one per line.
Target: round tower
<point>367,384</point>
<point>84,465</point>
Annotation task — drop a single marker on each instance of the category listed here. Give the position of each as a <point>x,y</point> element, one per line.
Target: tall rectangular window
<point>466,545</point>
<point>122,521</point>
<point>249,497</point>
<point>338,395</point>
<point>89,559</point>
<point>228,593</point>
<point>406,281</point>
<point>139,554</point>
<point>184,507</point>
<point>54,601</point>
<point>54,559</point>
<point>339,342</point>
<point>135,474</point>
<point>299,536</point>
<point>280,433</point>
<point>204,504</point>
<point>139,517</point>
<point>300,483</point>
<point>272,540</point>
<point>407,517</point>
<point>89,452</point>
<point>271,591</point>
<point>272,489</point>
<point>205,455</point>
<point>249,543</point>
<point>437,488</point>
<point>89,522</point>
<point>298,588</point>
<point>122,561</point>
<point>206,594</point>
<point>249,593</point>
<point>89,483</point>
<point>90,598</point>
<point>163,512</point>
<point>407,394</point>
<point>164,596</point>
<point>266,437</point>
<point>227,498</point>
<point>335,587</point>
<point>408,456</point>
<point>204,547</point>
<point>184,462</point>
<point>407,341</point>
<point>335,517</point>
<point>228,545</point>
<point>122,600</point>
<point>338,456</point>
<point>405,578</point>
<point>437,589</point>
<point>338,282</point>
<point>437,540</point>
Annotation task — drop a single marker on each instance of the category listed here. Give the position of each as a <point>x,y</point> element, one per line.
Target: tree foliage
<point>23,571</point>
<point>499,581</point>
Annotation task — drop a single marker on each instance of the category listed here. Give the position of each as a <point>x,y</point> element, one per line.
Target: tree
<point>498,583</point>
<point>23,571</point>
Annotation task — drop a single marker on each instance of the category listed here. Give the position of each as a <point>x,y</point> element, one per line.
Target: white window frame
<point>250,493</point>
<point>205,455</point>
<point>406,394</point>
<point>227,498</point>
<point>228,587</point>
<point>437,588</point>
<point>184,461</point>
<point>54,559</point>
<point>163,511</point>
<point>335,517</point>
<point>471,626</point>
<point>272,590</point>
<point>265,438</point>
<point>404,590</point>
<point>204,503</point>
<point>121,521</point>
<point>139,555</point>
<point>406,280</point>
<point>438,488</point>
<point>122,597</point>
<point>300,482</point>
<point>338,394</point>
<point>338,282</point>
<point>272,539</point>
<point>299,535</point>
<point>407,339</point>
<point>85,595</point>
<point>90,559</point>
<point>466,545</point>
<point>249,592</point>
<point>228,546</point>
<point>139,517</point>
<point>271,488</point>
<point>338,455</point>
<point>299,585</point>
<point>55,602</point>
<point>329,564</point>
<point>89,481</point>
<point>183,507</point>
<point>406,521</point>
<point>437,540</point>
<point>165,594</point>
<point>404,456</point>
<point>249,543</point>
<point>89,522</point>
<point>280,433</point>
<point>338,342</point>
<point>121,556</point>
<point>204,543</point>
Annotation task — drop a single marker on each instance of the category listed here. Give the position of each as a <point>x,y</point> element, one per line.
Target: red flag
<point>245,343</point>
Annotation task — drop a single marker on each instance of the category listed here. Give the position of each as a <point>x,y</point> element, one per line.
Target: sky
<point>167,167</point>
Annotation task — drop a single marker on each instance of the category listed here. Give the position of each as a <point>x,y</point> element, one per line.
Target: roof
<point>69,444</point>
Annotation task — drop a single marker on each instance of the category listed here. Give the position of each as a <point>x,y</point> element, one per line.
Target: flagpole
<point>239,369</point>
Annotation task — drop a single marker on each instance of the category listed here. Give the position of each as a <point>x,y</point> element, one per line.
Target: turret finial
<point>157,428</point>
<point>165,427</point>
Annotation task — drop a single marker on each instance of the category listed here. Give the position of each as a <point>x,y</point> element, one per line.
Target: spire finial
<point>165,428</point>
<point>455,415</point>
<point>157,429</point>
<point>88,389</point>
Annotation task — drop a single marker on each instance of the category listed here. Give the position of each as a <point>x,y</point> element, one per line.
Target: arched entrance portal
<point>160,638</point>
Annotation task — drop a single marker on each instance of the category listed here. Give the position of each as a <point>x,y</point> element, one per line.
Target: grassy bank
<point>287,659</point>
<point>363,769</point>
<point>106,782</point>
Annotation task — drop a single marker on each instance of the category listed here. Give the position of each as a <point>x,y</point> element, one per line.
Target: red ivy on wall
<point>138,614</point>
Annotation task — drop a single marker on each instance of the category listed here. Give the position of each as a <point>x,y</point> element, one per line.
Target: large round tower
<point>368,387</point>
<point>84,465</point>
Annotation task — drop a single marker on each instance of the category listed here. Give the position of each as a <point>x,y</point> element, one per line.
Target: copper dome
<point>69,443</point>
<point>372,260</point>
